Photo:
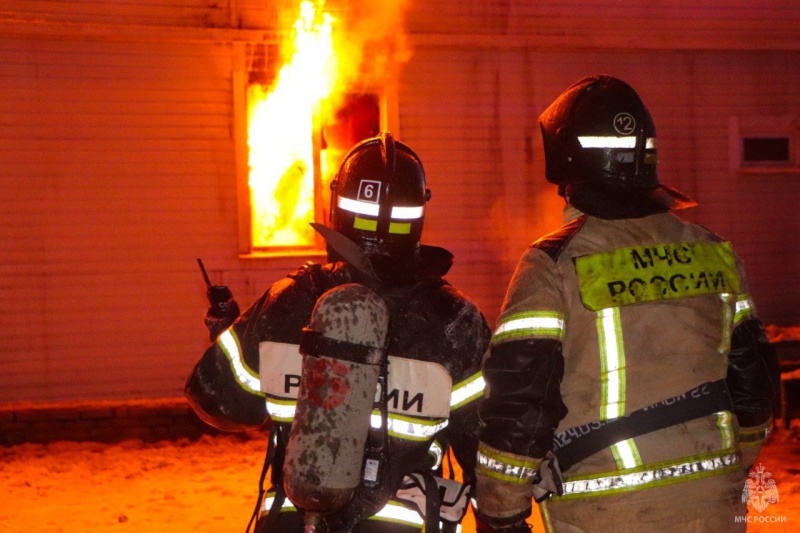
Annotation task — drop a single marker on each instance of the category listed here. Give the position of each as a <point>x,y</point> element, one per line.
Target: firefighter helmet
<point>600,149</point>
<point>378,201</point>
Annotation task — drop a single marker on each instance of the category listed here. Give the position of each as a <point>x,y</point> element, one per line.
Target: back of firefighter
<point>628,344</point>
<point>435,343</point>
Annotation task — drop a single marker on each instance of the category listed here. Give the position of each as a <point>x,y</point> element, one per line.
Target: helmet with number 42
<point>378,201</point>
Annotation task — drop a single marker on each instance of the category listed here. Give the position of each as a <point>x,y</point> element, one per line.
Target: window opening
<point>765,150</point>
<point>302,100</point>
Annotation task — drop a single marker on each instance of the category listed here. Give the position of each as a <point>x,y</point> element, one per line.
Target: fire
<point>328,89</point>
<point>280,135</point>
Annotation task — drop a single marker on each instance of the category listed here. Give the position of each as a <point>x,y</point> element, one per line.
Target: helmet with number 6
<point>378,201</point>
<point>600,149</point>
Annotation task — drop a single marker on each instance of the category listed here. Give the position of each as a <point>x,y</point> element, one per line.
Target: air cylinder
<point>342,347</point>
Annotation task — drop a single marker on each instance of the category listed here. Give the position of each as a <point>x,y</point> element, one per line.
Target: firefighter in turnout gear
<point>630,383</point>
<point>376,322</point>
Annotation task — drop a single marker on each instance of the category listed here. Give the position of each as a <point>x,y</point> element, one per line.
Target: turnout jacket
<point>437,340</point>
<point>606,317</point>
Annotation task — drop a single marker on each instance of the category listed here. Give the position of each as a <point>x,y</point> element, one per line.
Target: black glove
<point>223,310</point>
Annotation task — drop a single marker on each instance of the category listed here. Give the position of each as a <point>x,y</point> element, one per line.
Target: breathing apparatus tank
<point>343,349</point>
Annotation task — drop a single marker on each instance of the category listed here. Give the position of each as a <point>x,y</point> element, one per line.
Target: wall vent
<point>764,144</point>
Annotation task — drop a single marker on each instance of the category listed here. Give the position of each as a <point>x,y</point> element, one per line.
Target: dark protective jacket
<point>438,338</point>
<point>607,317</point>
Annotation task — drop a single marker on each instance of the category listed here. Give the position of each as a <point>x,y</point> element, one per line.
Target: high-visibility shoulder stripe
<point>247,379</point>
<point>529,325</point>
<point>468,390</point>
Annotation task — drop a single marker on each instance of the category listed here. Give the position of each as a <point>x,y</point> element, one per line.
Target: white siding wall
<point>472,114</point>
<point>118,156</point>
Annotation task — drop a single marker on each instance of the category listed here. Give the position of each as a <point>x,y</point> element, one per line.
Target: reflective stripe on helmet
<point>407,213</point>
<point>397,228</point>
<point>365,224</point>
<point>534,324</point>
<point>400,228</point>
<point>372,209</point>
<point>693,468</point>
<point>611,141</point>
<point>228,342</point>
<point>358,207</point>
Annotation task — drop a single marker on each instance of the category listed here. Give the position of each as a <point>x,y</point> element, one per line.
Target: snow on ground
<point>210,485</point>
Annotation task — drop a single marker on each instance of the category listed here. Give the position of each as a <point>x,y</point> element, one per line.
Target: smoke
<point>371,42</point>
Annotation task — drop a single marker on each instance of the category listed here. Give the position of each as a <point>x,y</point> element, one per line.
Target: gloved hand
<point>222,312</point>
<point>503,506</point>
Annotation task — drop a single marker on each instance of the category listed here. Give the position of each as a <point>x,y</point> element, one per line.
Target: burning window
<point>303,115</point>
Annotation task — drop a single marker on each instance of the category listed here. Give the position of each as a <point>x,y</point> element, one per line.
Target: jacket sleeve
<point>753,380</point>
<point>466,396</point>
<point>223,387</point>
<point>523,405</point>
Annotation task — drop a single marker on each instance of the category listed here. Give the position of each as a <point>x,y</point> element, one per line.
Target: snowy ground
<point>210,485</point>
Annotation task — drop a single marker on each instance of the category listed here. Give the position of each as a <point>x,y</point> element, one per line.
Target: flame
<point>280,140</point>
<point>322,68</point>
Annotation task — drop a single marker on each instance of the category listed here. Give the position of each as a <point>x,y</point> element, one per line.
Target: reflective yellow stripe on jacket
<point>394,512</point>
<point>247,379</point>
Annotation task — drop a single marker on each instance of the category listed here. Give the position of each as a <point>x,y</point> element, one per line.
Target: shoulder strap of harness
<point>576,444</point>
<point>274,454</point>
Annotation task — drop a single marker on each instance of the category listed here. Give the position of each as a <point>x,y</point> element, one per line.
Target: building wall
<point>118,144</point>
<point>483,151</point>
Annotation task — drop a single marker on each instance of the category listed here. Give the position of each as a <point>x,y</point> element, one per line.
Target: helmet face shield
<point>599,137</point>
<point>378,199</point>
